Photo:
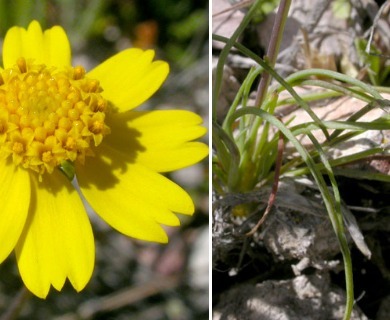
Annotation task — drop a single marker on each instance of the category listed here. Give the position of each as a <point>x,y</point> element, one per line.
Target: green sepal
<point>67,167</point>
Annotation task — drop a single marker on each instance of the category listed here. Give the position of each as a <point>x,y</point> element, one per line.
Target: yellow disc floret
<point>48,115</point>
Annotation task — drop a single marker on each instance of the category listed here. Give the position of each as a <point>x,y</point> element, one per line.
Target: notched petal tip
<point>151,199</point>
<point>166,136</point>
<point>50,47</point>
<point>57,240</point>
<point>130,77</point>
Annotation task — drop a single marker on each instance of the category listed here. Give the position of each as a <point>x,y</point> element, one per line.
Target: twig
<point>273,49</point>
<point>240,5</point>
<point>127,296</point>
<point>374,24</point>
<point>17,304</point>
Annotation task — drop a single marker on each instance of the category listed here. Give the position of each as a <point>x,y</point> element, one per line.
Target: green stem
<point>336,219</point>
<point>278,78</point>
<point>331,201</point>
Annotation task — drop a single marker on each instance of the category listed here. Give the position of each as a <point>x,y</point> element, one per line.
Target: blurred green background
<point>178,28</point>
<point>132,279</point>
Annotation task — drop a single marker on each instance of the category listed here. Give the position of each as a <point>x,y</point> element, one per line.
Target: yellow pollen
<point>70,143</point>
<point>92,86</point>
<point>18,147</point>
<point>97,127</point>
<point>47,156</point>
<point>79,73</point>
<point>49,115</point>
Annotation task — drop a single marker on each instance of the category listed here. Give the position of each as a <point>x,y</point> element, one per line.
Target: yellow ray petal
<point>57,241</point>
<point>57,47</point>
<point>131,198</point>
<point>163,138</point>
<point>15,192</point>
<point>130,77</point>
<point>51,47</point>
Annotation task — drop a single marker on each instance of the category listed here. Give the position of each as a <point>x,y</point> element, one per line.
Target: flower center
<point>49,116</point>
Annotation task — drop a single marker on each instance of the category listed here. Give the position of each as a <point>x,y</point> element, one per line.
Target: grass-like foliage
<point>246,143</point>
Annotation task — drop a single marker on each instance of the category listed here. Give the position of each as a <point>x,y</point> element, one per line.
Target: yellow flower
<point>59,121</point>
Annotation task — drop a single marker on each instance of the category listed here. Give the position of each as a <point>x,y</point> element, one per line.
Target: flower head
<point>58,122</point>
